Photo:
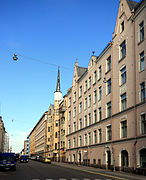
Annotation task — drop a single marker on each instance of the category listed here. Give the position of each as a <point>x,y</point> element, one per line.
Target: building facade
<point>6,142</point>
<point>106,105</point>
<point>2,135</point>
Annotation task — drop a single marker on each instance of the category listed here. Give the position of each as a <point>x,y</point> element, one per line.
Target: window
<point>80,91</point>
<point>48,139</point>
<point>123,75</point>
<point>74,126</point>
<point>100,93</point>
<point>69,102</point>
<point>95,96</point>
<point>95,137</point>
<point>89,83</point>
<point>55,134</point>
<point>80,140</point>
<point>69,115</point>
<point>57,112</point>
<point>56,123</point>
<point>142,62</point>
<point>89,138</point>
<point>55,146</point>
<point>123,102</point>
<point>109,86</point>
<point>80,123</point>
<point>85,139</point>
<point>109,109</point>
<point>80,107</point>
<point>85,85</point>
<point>142,89</point>
<point>141,31</point>
<point>74,113</point>
<point>75,96</point>
<point>85,106</point>
<point>95,116</point>
<point>48,129</point>
<point>99,114</point>
<point>95,77</point>
<point>124,129</point>
<point>69,129</point>
<point>85,121</point>
<point>69,143</point>
<point>89,100</point>
<point>143,123</point>
<point>74,142</point>
<point>122,50</point>
<point>108,64</point>
<point>109,133</point>
<point>99,135</point>
<point>122,26</point>
<point>89,119</point>
<point>99,72</point>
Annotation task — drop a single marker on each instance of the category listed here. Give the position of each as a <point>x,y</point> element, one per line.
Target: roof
<point>52,105</point>
<point>132,4</point>
<point>81,70</point>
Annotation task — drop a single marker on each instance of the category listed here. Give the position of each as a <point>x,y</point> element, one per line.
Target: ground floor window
<point>124,159</point>
<point>143,158</point>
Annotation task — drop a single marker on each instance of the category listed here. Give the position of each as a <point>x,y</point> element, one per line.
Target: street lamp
<point>15,58</point>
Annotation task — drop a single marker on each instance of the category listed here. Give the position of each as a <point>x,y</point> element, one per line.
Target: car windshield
<point>8,158</point>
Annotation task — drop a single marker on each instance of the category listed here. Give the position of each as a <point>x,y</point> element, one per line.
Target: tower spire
<point>58,81</point>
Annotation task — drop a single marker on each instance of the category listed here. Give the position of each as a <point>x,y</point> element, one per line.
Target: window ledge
<point>99,79</point>
<point>107,71</point>
<point>122,58</point>
<point>140,41</point>
<point>94,83</point>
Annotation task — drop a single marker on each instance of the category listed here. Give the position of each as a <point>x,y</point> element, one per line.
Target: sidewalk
<point>118,174</point>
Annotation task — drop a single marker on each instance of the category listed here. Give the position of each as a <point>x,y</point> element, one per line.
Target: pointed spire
<point>58,81</point>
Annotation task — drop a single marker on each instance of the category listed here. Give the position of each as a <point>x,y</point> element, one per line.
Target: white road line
<point>74,179</point>
<point>35,179</point>
<point>62,179</point>
<point>86,179</point>
<point>49,179</point>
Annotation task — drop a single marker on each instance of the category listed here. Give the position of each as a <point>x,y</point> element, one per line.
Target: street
<point>34,170</point>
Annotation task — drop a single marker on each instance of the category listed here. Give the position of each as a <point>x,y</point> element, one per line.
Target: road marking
<point>49,179</point>
<point>86,179</point>
<point>74,179</point>
<point>35,179</point>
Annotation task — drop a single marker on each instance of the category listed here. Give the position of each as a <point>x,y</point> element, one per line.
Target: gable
<point>124,11</point>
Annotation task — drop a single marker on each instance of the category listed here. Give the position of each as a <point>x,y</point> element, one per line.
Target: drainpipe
<point>135,110</point>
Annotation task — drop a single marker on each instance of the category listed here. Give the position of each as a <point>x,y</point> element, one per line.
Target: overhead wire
<point>38,60</point>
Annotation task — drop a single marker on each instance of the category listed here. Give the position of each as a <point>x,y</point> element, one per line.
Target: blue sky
<point>54,32</point>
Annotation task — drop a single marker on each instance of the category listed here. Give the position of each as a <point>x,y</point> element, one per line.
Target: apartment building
<point>6,142</point>
<point>62,128</point>
<point>50,134</point>
<point>2,135</point>
<point>32,142</point>
<point>106,105</point>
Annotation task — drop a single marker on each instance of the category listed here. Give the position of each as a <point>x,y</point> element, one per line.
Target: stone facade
<point>107,101</point>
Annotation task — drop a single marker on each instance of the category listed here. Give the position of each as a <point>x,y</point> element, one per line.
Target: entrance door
<point>108,159</point>
<point>124,159</point>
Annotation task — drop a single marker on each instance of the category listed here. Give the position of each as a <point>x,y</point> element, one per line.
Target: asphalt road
<point>34,170</point>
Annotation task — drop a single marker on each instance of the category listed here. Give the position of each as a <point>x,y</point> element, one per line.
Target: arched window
<point>142,154</point>
<point>124,159</point>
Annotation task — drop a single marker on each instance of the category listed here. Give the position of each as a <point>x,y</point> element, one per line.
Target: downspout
<point>135,110</point>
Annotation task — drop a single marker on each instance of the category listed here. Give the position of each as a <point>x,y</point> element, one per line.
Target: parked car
<point>24,158</point>
<point>7,160</point>
<point>47,160</point>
